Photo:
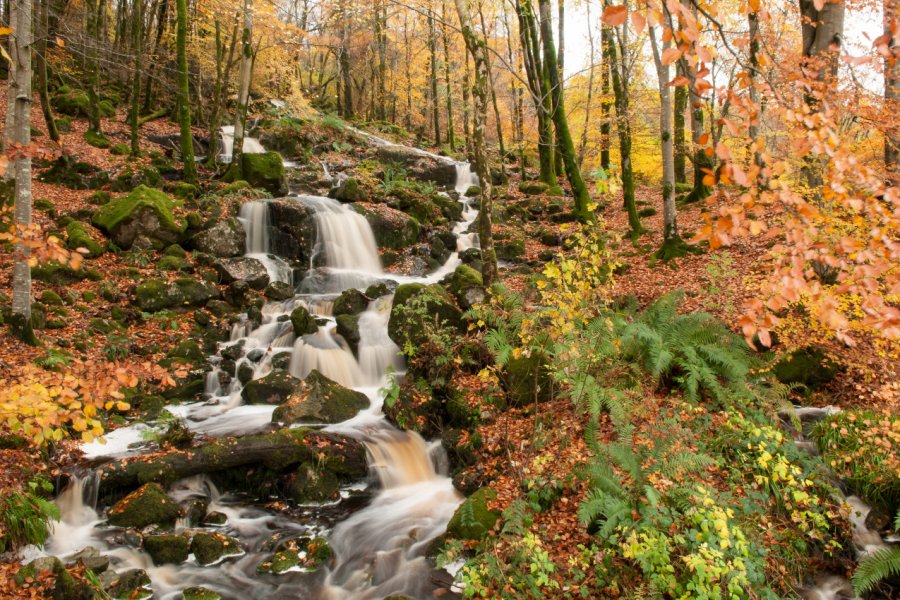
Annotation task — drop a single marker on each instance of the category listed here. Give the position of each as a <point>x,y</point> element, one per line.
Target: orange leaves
<point>615,15</point>
<point>670,55</point>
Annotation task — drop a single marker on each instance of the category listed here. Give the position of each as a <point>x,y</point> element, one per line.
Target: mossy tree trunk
<point>582,144</point>
<point>451,134</point>
<point>497,119</point>
<point>605,104</point>
<point>138,30</point>
<point>10,121</point>
<point>680,150</point>
<point>477,46</point>
<point>41,62</point>
<point>433,78</point>
<point>566,147</point>
<point>220,89</point>
<point>92,68</point>
<point>614,53</point>
<point>237,146</point>
<point>184,100</point>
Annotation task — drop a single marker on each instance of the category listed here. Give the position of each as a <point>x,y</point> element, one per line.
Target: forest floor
<point>717,283</point>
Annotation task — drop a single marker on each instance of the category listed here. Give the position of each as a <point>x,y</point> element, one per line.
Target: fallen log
<point>153,116</point>
<point>278,450</point>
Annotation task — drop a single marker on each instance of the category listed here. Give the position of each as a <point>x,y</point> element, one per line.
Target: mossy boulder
<point>167,548</point>
<point>148,505</point>
<point>275,388</point>
<point>528,380</point>
<point>96,139</point>
<point>155,295</point>
<point>74,174</point>
<point>209,548</point>
<point>311,483</point>
<point>120,149</point>
<point>242,268</point>
<point>306,553</point>
<point>303,322</point>
<point>512,249</point>
<point>392,228</point>
<point>200,593</point>
<point>278,291</point>
<point>350,302</point>
<point>348,328</point>
<point>318,399</point>
<point>225,239</point>
<point>130,585</point>
<point>145,212</point>
<point>187,350</point>
<point>466,285</point>
<point>77,237</point>
<point>533,188</point>
<point>473,191</point>
<point>809,366</point>
<point>473,519</point>
<point>71,102</point>
<point>264,170</point>
<point>349,190</point>
<point>416,302</point>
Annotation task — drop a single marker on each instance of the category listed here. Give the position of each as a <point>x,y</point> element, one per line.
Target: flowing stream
<point>379,549</point>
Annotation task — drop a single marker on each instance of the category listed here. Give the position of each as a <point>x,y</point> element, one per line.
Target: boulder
<point>167,548</point>
<point>419,165</point>
<point>147,505</point>
<point>392,228</point>
<point>200,593</point>
<point>310,483</point>
<point>348,328</point>
<point>278,291</point>
<point>528,380</point>
<point>533,188</point>
<point>275,388</point>
<point>348,189</point>
<point>473,519</point>
<point>318,399</point>
<point>131,584</point>
<point>307,553</point>
<point>242,268</point>
<point>293,233</point>
<point>225,239</point>
<point>465,284</point>
<point>77,237</point>
<point>350,302</point>
<point>407,324</point>
<point>264,170</point>
<point>809,366</point>
<point>154,295</point>
<point>144,213</point>
<point>213,547</point>
<point>303,322</point>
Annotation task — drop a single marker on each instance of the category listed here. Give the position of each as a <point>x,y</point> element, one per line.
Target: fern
<point>875,568</point>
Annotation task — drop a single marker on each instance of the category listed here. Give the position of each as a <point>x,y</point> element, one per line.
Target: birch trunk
<point>670,222</point>
<point>237,148</point>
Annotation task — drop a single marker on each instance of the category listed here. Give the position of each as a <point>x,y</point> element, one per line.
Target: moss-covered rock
<point>130,585</point>
<point>96,139</point>
<point>349,190</point>
<point>148,505</point>
<point>809,366</point>
<point>350,302</point>
<point>348,328</point>
<point>473,191</point>
<point>533,188</point>
<point>51,298</point>
<point>264,170</point>
<point>275,388</point>
<point>512,249</point>
<point>306,553</point>
<point>303,322</point>
<point>212,547</point>
<point>318,399</point>
<point>77,237</point>
<point>155,295</point>
<point>473,519</point>
<point>225,239</point>
<point>187,350</point>
<point>200,593</point>
<point>120,149</point>
<point>171,263</point>
<point>465,284</point>
<point>406,323</point>
<point>278,291</point>
<point>167,548</point>
<point>74,174</point>
<point>392,228</point>
<point>130,177</point>
<point>145,212</point>
<point>528,380</point>
<point>71,102</point>
<point>310,483</point>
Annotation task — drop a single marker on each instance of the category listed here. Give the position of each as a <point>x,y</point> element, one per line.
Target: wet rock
<point>281,361</point>
<point>275,388</point>
<point>350,302</point>
<point>245,373</point>
<point>348,328</point>
<point>148,505</point>
<point>215,518</point>
<point>382,288</point>
<point>473,520</point>
<point>307,553</point>
<point>465,284</point>
<point>406,324</point>
<point>293,234</point>
<point>144,213</point>
<point>303,322</point>
<point>92,559</point>
<point>225,239</point>
<point>418,165</point>
<point>318,399</point>
<point>155,295</point>
<point>212,547</point>
<point>199,593</point>
<point>242,268</point>
<point>264,170</point>
<point>195,509</point>
<point>348,190</point>
<point>309,483</point>
<point>233,351</point>
<point>256,354</point>
<point>39,565</point>
<point>165,549</point>
<point>278,291</point>
<point>131,584</point>
<point>392,228</point>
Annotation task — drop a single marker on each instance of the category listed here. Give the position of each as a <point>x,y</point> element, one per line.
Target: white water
<point>255,218</point>
<point>251,145</point>
<point>379,550</point>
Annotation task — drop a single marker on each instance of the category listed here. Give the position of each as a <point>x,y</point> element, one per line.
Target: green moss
<point>211,547</point>
<point>200,593</point>
<point>51,298</point>
<point>235,187</point>
<point>264,170</point>
<point>99,198</point>
<point>78,237</point>
<point>120,149</point>
<point>74,103</point>
<point>185,191</point>
<point>533,188</point>
<point>463,279</point>
<point>121,209</point>
<point>167,548</point>
<point>528,380</point>
<point>303,322</point>
<point>809,366</point>
<point>318,399</point>
<point>148,505</point>
<point>96,139</point>
<point>274,388</point>
<point>407,325</point>
<point>171,263</point>
<point>473,520</point>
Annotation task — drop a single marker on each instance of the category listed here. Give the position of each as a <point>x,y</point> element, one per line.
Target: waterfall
<point>345,238</point>
<point>465,178</point>
<point>321,351</point>
<point>251,145</point>
<point>255,217</point>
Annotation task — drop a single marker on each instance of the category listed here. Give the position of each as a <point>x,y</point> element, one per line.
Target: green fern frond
<point>875,568</point>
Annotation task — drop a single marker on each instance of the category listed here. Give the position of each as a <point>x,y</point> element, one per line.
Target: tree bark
<point>680,146</point>
<point>605,104</point>
<point>43,21</point>
<point>161,19</point>
<point>477,46</point>
<point>566,147</point>
<point>277,450</point>
<point>497,119</point>
<point>582,145</point>
<point>9,128</point>
<point>223,70</point>
<point>136,83</point>
<point>892,92</point>
<point>670,221</point>
<point>184,98</point>
<point>237,147</point>
<point>92,10</point>
<point>451,134</point>
<point>21,300</point>
<point>435,104</point>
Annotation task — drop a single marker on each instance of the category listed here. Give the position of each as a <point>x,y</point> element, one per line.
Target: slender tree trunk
<point>670,221</point>
<point>561,35</point>
<point>497,119</point>
<point>435,103</point>
<point>92,10</point>
<point>161,19</point>
<point>566,147</point>
<point>680,146</point>
<point>237,148</point>
<point>478,48</point>
<point>223,69</point>
<point>623,125</point>
<point>582,145</point>
<point>465,105</point>
<point>451,134</point>
<point>21,300</point>
<point>138,27</point>
<point>605,104</point>
<point>184,101</point>
<point>43,33</point>
<point>892,91</point>
<point>9,129</point>
<point>753,130</point>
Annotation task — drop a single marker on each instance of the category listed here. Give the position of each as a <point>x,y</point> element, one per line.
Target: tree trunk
<point>497,119</point>
<point>566,146</point>
<point>223,69</point>
<point>582,145</point>
<point>605,104</point>
<point>435,104</point>
<point>21,300</point>
<point>136,83</point>
<point>184,98</point>
<point>753,130</point>
<point>451,134</point>
<point>465,106</point>
<point>892,92</point>
<point>237,147</point>
<point>43,21</point>
<point>623,125</point>
<point>92,10</point>
<point>161,19</point>
<point>477,46</point>
<point>9,128</point>
<point>680,147</point>
<point>277,450</point>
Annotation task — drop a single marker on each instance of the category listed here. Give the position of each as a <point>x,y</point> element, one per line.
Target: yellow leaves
<point>6,30</point>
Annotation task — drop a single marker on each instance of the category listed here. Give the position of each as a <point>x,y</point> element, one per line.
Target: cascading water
<point>255,217</point>
<point>380,549</point>
<point>250,146</point>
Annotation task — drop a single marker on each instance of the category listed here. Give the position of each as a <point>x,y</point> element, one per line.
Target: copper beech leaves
<point>615,15</point>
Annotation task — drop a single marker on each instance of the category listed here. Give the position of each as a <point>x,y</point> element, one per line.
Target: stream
<point>379,530</point>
